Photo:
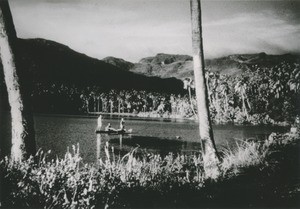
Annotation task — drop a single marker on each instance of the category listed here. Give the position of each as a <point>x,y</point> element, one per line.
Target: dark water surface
<point>56,133</point>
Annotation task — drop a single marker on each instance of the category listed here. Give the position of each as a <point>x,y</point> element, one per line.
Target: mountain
<point>181,66</point>
<point>44,61</point>
<point>47,61</point>
<point>118,62</point>
<point>164,66</point>
<point>237,63</point>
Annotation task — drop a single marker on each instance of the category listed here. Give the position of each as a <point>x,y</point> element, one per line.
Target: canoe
<point>111,132</point>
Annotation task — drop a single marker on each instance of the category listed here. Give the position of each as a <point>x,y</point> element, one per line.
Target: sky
<point>133,29</point>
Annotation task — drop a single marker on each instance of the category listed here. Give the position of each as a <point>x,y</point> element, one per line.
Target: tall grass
<point>120,182</point>
<point>246,154</point>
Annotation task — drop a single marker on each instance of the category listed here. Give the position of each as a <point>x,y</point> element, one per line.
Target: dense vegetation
<point>259,174</point>
<point>258,95</point>
<point>255,88</point>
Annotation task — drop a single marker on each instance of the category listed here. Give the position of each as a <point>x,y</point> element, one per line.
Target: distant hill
<point>236,64</point>
<point>181,66</point>
<point>118,62</point>
<point>44,61</point>
<point>165,66</point>
<point>48,61</point>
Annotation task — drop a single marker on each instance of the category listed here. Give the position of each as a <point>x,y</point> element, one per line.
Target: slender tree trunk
<point>191,103</point>
<point>95,105</point>
<point>210,156</point>
<point>243,105</point>
<point>98,150</point>
<point>226,103</point>
<point>102,102</point>
<point>111,106</point>
<point>87,105</point>
<point>23,142</point>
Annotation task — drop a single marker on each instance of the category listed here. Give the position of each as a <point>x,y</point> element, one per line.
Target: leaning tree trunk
<point>23,143</point>
<point>210,156</point>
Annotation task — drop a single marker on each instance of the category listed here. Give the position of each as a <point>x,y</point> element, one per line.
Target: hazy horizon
<point>134,29</point>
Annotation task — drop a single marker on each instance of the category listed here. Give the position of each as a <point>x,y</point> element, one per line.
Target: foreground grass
<point>257,174</point>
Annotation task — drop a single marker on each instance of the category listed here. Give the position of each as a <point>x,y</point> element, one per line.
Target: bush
<point>131,181</point>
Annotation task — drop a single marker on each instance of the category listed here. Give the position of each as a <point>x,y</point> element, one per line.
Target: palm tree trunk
<point>210,156</point>
<point>244,108</point>
<point>111,106</point>
<point>23,142</point>
<point>191,103</point>
<point>102,102</point>
<point>87,105</point>
<point>226,103</point>
<point>95,104</point>
<point>98,150</point>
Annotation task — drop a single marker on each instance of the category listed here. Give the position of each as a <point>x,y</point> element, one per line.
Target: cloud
<point>251,32</point>
<point>133,29</point>
<point>103,30</point>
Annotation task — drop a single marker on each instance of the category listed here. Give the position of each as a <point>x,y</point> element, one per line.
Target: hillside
<point>66,81</point>
<point>118,62</point>
<point>46,62</point>
<point>181,66</point>
<point>49,62</point>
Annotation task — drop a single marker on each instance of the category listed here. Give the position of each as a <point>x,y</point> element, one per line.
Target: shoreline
<point>134,116</point>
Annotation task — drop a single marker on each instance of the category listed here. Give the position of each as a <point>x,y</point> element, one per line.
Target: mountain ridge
<point>181,66</point>
<point>49,61</point>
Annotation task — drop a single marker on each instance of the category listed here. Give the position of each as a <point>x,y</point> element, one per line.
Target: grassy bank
<point>255,174</point>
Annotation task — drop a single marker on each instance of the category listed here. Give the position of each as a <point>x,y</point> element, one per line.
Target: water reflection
<point>121,138</point>
<point>98,152</point>
<point>125,143</point>
<point>58,132</point>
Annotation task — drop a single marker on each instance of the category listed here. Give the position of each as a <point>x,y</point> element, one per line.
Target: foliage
<point>260,95</point>
<point>130,181</point>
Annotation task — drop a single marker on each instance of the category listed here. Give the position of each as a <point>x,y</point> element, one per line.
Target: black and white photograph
<point>149,104</point>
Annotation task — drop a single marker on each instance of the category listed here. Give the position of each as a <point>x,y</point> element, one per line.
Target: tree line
<point>258,95</point>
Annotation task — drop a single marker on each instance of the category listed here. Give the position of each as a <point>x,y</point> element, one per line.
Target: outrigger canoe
<point>112,132</point>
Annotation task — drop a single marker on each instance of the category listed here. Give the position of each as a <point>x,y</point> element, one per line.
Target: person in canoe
<point>122,125</point>
<point>122,128</point>
<point>108,128</point>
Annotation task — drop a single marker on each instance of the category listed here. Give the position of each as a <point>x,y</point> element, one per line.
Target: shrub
<point>130,181</point>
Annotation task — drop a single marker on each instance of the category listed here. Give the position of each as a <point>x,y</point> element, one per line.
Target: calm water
<point>159,136</point>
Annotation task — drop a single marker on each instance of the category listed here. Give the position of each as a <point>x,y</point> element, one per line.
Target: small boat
<point>114,132</point>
